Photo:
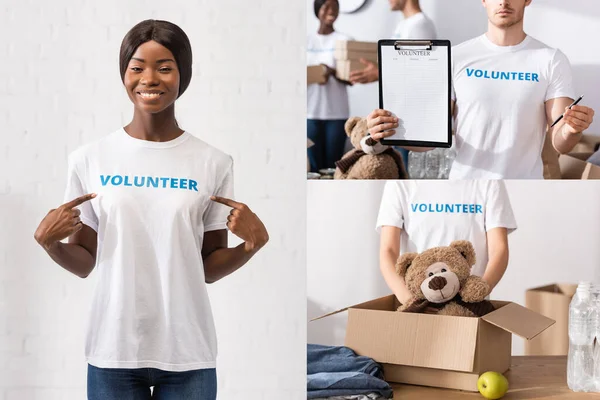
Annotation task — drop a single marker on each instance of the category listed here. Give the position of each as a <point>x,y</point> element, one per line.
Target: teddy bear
<point>363,162</point>
<point>440,281</point>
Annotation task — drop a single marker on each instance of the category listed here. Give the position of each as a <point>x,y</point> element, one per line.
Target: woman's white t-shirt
<point>328,101</point>
<point>435,213</point>
<point>151,306</point>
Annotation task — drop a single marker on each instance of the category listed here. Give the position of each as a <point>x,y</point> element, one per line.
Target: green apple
<point>492,385</point>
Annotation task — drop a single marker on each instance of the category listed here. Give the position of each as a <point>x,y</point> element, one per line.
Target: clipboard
<point>415,84</point>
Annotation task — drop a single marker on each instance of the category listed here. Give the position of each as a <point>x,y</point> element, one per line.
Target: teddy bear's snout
<point>437,283</point>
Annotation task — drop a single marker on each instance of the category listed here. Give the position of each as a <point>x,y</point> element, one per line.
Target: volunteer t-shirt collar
<point>154,145</point>
<point>504,49</point>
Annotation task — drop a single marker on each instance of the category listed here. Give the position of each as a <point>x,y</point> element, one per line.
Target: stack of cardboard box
<point>348,54</point>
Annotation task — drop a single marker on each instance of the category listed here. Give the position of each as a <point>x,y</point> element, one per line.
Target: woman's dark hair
<point>169,35</point>
<point>319,3</point>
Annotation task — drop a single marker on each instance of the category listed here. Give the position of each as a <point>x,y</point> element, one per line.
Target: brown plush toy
<point>356,164</point>
<point>440,281</point>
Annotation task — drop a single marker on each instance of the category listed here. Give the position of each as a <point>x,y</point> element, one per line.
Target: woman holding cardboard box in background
<point>327,107</point>
<point>417,215</point>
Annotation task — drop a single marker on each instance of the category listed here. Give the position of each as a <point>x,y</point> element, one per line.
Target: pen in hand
<point>563,114</point>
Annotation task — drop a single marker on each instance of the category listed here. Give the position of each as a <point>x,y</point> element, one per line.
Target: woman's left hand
<point>246,225</point>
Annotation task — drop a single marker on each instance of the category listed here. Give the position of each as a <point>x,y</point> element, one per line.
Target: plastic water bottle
<point>447,160</point>
<point>580,363</point>
<point>416,165</point>
<point>596,333</point>
<point>432,163</point>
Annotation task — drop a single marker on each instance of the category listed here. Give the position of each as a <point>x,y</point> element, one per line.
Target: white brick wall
<point>60,88</point>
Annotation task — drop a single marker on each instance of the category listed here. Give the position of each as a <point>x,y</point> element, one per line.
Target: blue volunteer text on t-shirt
<point>149,181</point>
<point>447,208</point>
<point>504,76</point>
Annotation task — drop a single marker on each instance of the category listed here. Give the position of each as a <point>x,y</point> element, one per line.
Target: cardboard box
<point>587,144</point>
<point>354,45</point>
<point>344,68</point>
<point>574,166</point>
<point>553,302</point>
<point>344,54</point>
<point>316,74</point>
<point>437,350</point>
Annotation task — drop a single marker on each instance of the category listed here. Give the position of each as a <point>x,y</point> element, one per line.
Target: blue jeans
<point>404,154</point>
<point>134,384</point>
<point>329,138</point>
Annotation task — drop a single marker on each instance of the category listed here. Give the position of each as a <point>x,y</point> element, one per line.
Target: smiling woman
<point>151,322</point>
<point>155,63</point>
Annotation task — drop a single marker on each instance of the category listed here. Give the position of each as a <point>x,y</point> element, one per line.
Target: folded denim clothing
<point>370,396</point>
<point>338,371</point>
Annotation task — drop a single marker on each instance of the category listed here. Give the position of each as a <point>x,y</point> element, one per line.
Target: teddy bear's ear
<point>465,248</point>
<point>404,262</point>
<point>350,124</point>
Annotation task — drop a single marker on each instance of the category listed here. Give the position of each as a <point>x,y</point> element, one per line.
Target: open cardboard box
<point>553,302</point>
<point>436,350</point>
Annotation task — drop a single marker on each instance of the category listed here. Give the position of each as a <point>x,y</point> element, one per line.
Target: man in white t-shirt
<point>415,25</point>
<point>418,215</point>
<point>508,88</point>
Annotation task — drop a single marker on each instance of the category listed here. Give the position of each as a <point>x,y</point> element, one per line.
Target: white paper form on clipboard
<point>415,85</point>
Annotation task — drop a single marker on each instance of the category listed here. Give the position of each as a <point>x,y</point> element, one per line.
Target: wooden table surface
<point>530,377</point>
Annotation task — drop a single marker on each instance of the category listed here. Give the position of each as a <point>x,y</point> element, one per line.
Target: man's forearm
<point>225,261</point>
<point>564,143</point>
<point>72,257</point>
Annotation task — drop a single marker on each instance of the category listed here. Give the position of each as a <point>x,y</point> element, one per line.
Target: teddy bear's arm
<point>414,306</point>
<point>474,290</point>
<point>370,146</point>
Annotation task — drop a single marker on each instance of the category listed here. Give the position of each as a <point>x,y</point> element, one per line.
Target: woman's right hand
<point>60,222</point>
<point>381,124</point>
